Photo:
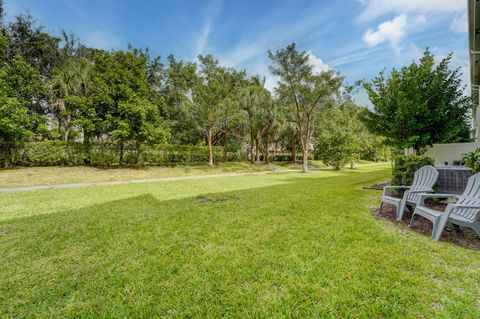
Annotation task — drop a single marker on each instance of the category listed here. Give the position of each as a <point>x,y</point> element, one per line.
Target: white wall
<point>450,152</point>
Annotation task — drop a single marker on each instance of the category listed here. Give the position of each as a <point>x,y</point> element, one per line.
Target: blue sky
<point>358,38</point>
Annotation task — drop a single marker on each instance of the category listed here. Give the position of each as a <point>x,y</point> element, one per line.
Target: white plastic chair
<point>463,213</point>
<point>423,182</point>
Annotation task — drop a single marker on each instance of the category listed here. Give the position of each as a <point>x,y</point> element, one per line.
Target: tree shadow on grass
<point>225,251</point>
<point>24,204</point>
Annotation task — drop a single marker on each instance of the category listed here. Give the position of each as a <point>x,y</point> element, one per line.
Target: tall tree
<point>177,93</point>
<point>270,125</point>
<point>421,104</point>
<point>337,142</point>
<point>33,44</point>
<point>305,91</point>
<point>19,85</point>
<point>252,97</point>
<point>70,89</point>
<point>213,94</point>
<point>120,93</point>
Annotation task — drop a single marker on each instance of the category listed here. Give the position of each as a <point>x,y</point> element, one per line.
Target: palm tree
<point>72,78</point>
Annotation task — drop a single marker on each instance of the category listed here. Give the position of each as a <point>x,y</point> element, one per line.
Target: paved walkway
<point>147,180</point>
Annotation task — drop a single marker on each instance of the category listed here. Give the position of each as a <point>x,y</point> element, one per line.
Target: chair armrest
<point>427,190</point>
<point>396,187</point>
<point>466,206</point>
<point>425,196</point>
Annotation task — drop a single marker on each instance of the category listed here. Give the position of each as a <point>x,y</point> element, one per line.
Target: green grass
<point>28,176</point>
<point>282,245</point>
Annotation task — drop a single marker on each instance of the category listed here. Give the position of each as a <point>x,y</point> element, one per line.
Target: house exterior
<point>447,154</point>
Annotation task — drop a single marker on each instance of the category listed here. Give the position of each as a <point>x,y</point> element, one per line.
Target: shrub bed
<point>405,166</point>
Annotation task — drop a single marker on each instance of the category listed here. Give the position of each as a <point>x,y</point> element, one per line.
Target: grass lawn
<point>281,245</point>
<point>28,176</point>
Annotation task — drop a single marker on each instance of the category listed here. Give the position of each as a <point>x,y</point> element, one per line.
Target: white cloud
<point>460,23</point>
<point>202,39</point>
<point>390,31</point>
<point>317,63</point>
<point>376,8</point>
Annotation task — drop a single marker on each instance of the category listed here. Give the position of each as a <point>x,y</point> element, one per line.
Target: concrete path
<point>149,180</point>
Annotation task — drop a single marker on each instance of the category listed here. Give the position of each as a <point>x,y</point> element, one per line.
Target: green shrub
<point>405,166</point>
<point>102,155</point>
<point>52,153</point>
<point>472,160</point>
<point>181,155</point>
<point>55,152</point>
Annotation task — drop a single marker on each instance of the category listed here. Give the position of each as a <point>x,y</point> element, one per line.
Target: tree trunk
<point>60,126</point>
<point>252,159</point>
<point>305,161</point>
<point>65,137</point>
<point>265,156</point>
<point>9,158</point>
<point>210,149</point>
<point>86,143</point>
<point>416,150</point>
<point>120,161</point>
<point>294,152</point>
<point>139,153</point>
<point>257,148</point>
<point>225,143</point>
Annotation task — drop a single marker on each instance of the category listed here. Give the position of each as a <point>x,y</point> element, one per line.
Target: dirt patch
<point>6,230</point>
<point>461,236</point>
<point>378,186</point>
<point>214,198</point>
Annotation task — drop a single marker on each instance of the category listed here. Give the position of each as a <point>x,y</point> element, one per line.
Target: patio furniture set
<point>461,210</point>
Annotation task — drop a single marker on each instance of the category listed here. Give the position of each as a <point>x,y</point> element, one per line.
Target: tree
<point>36,47</point>
<point>306,92</point>
<point>253,96</point>
<point>16,126</point>
<point>419,105</point>
<point>336,142</point>
<point>19,85</point>
<point>140,122</point>
<point>120,94</point>
<point>176,108</point>
<point>212,96</point>
<point>370,146</point>
<point>70,89</point>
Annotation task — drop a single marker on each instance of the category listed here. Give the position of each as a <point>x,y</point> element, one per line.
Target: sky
<point>357,38</point>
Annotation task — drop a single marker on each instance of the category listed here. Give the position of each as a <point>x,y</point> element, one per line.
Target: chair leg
<point>381,206</point>
<point>412,220</point>
<point>400,209</point>
<point>438,226</point>
<point>476,228</point>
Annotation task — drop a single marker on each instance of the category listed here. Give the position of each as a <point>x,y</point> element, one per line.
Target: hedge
<point>54,153</point>
<point>405,166</point>
<point>58,153</point>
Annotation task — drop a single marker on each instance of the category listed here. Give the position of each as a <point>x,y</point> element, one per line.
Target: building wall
<point>450,152</point>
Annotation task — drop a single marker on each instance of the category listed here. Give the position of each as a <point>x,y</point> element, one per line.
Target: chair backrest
<point>424,179</point>
<point>471,196</point>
